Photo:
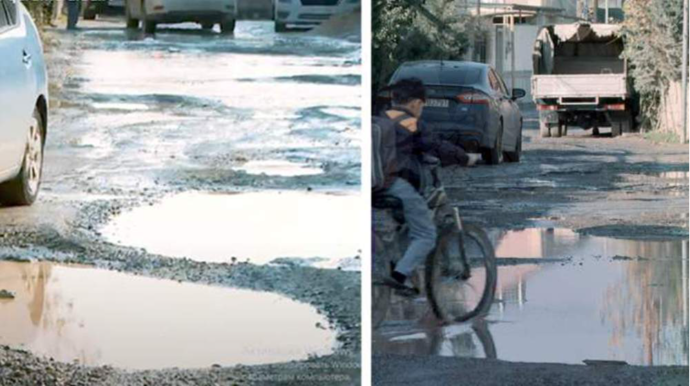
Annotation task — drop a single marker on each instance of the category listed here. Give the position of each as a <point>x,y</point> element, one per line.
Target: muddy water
<point>189,102</point>
<point>279,168</point>
<point>97,317</point>
<point>614,300</point>
<point>259,226</point>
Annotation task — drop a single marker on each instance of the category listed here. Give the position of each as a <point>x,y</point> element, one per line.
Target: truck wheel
<point>616,128</point>
<point>281,27</point>
<point>131,22</point>
<point>556,130</point>
<point>544,129</point>
<point>207,26</point>
<point>627,123</point>
<point>227,26</point>
<point>148,25</point>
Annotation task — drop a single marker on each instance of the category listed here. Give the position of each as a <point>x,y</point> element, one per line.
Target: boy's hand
<point>473,158</point>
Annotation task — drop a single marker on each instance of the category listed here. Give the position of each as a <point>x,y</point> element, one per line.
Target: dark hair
<point>406,90</point>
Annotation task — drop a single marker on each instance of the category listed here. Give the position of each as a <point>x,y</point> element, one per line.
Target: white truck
<point>581,80</point>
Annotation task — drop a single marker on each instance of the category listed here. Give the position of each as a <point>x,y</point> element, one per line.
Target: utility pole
<point>476,31</point>
<point>684,88</point>
<point>606,14</point>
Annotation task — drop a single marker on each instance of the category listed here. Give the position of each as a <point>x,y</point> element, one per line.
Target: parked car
<point>308,13</point>
<point>23,105</point>
<point>93,8</point>
<point>205,12</point>
<point>469,104</point>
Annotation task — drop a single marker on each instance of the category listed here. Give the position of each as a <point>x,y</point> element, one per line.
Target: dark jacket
<point>413,140</point>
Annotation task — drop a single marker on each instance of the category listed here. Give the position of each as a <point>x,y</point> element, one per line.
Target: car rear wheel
<point>227,26</point>
<point>514,156</point>
<point>494,156</point>
<point>23,189</point>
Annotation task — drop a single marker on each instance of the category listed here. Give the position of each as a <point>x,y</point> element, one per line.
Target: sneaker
<point>406,289</point>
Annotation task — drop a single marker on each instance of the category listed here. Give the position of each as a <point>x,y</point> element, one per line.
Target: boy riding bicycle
<point>405,173</point>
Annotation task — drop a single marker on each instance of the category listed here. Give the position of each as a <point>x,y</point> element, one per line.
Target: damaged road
<point>591,241</point>
<point>136,120</point>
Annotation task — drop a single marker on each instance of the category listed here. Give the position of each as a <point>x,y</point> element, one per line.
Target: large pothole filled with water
<point>595,299</point>
<point>321,229</point>
<point>99,317</point>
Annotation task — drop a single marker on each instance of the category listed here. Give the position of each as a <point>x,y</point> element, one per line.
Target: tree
<point>653,46</point>
<point>406,30</point>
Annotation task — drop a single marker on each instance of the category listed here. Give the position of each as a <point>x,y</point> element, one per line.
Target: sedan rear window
<point>451,75</point>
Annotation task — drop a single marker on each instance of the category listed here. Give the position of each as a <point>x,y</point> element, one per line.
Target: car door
<point>502,103</point>
<point>512,113</point>
<point>15,86</point>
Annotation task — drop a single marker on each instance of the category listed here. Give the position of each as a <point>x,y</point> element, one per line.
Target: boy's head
<point>409,93</point>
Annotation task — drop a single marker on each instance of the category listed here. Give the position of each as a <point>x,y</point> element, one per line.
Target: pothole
<point>99,317</point>
<point>279,168</point>
<point>612,299</point>
<point>258,227</point>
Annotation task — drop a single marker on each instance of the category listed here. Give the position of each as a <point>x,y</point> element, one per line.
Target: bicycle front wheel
<point>457,291</point>
<point>380,293</point>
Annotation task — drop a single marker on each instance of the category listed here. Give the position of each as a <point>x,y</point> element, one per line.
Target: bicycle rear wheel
<point>453,296</point>
<point>380,293</point>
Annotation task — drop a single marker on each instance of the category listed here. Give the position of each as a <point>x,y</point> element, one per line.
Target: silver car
<point>23,105</point>
<point>205,12</point>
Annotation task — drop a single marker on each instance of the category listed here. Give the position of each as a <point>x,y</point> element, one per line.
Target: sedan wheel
<point>495,155</point>
<point>514,156</point>
<point>23,189</point>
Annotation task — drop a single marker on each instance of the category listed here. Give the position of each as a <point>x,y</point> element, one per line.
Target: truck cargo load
<point>581,79</point>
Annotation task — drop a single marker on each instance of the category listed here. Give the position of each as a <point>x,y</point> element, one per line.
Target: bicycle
<point>450,275</point>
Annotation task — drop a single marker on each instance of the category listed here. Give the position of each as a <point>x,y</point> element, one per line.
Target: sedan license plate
<point>437,103</point>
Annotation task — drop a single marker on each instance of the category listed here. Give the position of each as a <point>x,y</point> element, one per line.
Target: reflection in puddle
<point>258,226</point>
<point>98,317</point>
<point>279,168</point>
<point>617,300</point>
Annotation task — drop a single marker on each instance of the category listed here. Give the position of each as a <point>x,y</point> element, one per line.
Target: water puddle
<point>98,317</point>
<point>120,106</point>
<point>259,226</point>
<point>612,299</point>
<point>279,168</point>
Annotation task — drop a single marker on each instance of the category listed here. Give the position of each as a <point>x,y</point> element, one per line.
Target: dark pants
<point>73,9</point>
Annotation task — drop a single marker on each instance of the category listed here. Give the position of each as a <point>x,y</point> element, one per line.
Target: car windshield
<point>451,75</point>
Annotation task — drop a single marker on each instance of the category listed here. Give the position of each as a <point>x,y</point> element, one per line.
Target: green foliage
<point>402,32</point>
<point>653,34</point>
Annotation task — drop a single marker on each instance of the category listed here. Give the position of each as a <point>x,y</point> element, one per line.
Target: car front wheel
<point>23,189</point>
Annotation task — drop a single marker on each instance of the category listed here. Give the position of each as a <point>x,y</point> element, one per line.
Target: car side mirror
<point>518,93</point>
